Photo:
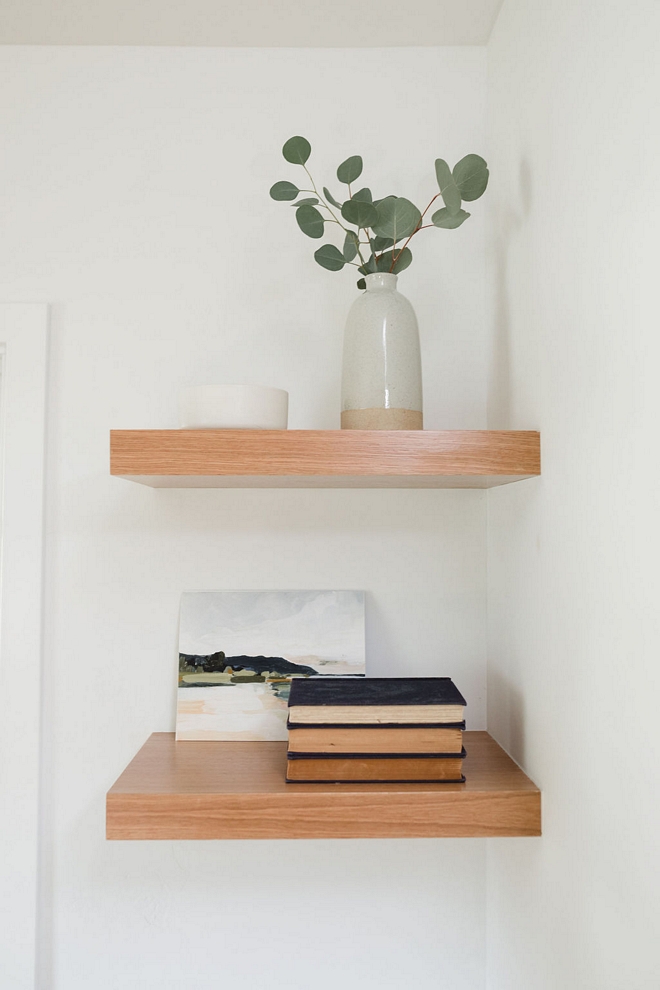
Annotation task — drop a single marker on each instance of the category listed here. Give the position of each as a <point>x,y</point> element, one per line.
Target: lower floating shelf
<point>236,790</point>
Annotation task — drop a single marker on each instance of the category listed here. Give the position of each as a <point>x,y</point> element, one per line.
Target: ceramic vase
<point>382,371</point>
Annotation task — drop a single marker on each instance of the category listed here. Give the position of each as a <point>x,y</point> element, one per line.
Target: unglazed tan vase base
<point>382,419</point>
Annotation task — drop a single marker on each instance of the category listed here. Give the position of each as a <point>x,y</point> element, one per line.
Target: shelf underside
<point>237,790</point>
<point>324,458</point>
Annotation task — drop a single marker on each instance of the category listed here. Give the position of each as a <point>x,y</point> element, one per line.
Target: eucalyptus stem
<point>391,218</point>
<point>331,212</point>
<point>321,199</point>
<point>415,231</point>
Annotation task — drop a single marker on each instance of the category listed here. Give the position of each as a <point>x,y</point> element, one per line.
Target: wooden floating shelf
<point>236,790</point>
<point>324,458</point>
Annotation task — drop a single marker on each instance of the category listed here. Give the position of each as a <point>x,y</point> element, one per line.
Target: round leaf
<point>450,191</point>
<point>397,218</point>
<point>350,170</point>
<point>350,245</point>
<point>310,221</point>
<point>443,218</point>
<point>364,195</point>
<point>297,150</point>
<point>284,190</point>
<point>361,283</point>
<point>360,213</point>
<point>382,243</point>
<point>330,257</point>
<point>310,201</point>
<point>471,177</point>
<point>403,260</point>
<point>370,267</point>
<point>330,198</point>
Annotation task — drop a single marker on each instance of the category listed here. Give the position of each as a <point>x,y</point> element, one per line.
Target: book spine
<point>441,780</point>
<point>375,725</point>
<point>377,756</point>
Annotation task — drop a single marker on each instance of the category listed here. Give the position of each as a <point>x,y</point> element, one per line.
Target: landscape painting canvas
<point>238,651</point>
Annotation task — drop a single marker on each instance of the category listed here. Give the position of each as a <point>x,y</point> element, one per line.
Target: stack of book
<point>364,729</point>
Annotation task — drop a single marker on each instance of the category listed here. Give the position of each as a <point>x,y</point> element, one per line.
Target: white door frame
<point>23,352</point>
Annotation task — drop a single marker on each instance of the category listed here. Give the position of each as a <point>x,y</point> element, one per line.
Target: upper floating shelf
<point>324,458</point>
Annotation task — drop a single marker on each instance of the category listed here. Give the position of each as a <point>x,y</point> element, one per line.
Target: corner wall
<point>574,583</point>
<point>134,198</point>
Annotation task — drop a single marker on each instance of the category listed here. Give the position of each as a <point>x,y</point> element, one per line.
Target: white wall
<point>251,22</point>
<point>134,198</point>
<point>574,624</point>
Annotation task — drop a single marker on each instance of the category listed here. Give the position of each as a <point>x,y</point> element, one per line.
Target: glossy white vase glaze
<point>382,370</point>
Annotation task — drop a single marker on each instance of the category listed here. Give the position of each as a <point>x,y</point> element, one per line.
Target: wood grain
<point>234,790</point>
<point>323,458</point>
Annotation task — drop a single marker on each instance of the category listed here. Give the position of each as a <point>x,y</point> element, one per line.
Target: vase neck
<point>380,281</point>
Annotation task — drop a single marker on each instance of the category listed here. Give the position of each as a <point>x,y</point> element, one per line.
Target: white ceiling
<point>244,23</point>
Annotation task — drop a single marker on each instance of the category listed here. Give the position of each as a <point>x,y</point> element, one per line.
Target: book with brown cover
<point>372,768</point>
<point>375,739</point>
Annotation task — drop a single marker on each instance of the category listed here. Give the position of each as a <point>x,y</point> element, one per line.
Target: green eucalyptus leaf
<point>397,218</point>
<point>403,261</point>
<point>330,198</point>
<point>363,195</point>
<point>384,207</point>
<point>448,188</point>
<point>310,221</point>
<point>350,170</point>
<point>383,263</point>
<point>443,218</point>
<point>310,201</point>
<point>330,257</point>
<point>284,190</point>
<point>369,268</point>
<point>360,213</point>
<point>361,284</point>
<point>471,177</point>
<point>382,243</point>
<point>350,245</point>
<point>297,150</point>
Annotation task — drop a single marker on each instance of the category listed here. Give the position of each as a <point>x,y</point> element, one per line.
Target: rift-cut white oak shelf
<point>236,790</point>
<point>324,458</point>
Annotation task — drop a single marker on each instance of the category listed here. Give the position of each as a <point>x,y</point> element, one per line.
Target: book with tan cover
<point>375,739</point>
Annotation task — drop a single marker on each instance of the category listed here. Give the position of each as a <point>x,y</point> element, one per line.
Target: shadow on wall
<point>508,222</point>
<point>507,700</point>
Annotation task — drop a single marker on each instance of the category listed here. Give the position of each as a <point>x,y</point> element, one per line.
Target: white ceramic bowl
<point>233,407</point>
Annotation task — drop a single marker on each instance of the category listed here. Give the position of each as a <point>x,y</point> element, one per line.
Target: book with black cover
<point>375,700</point>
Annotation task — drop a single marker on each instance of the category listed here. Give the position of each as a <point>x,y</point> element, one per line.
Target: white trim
<point>23,340</point>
